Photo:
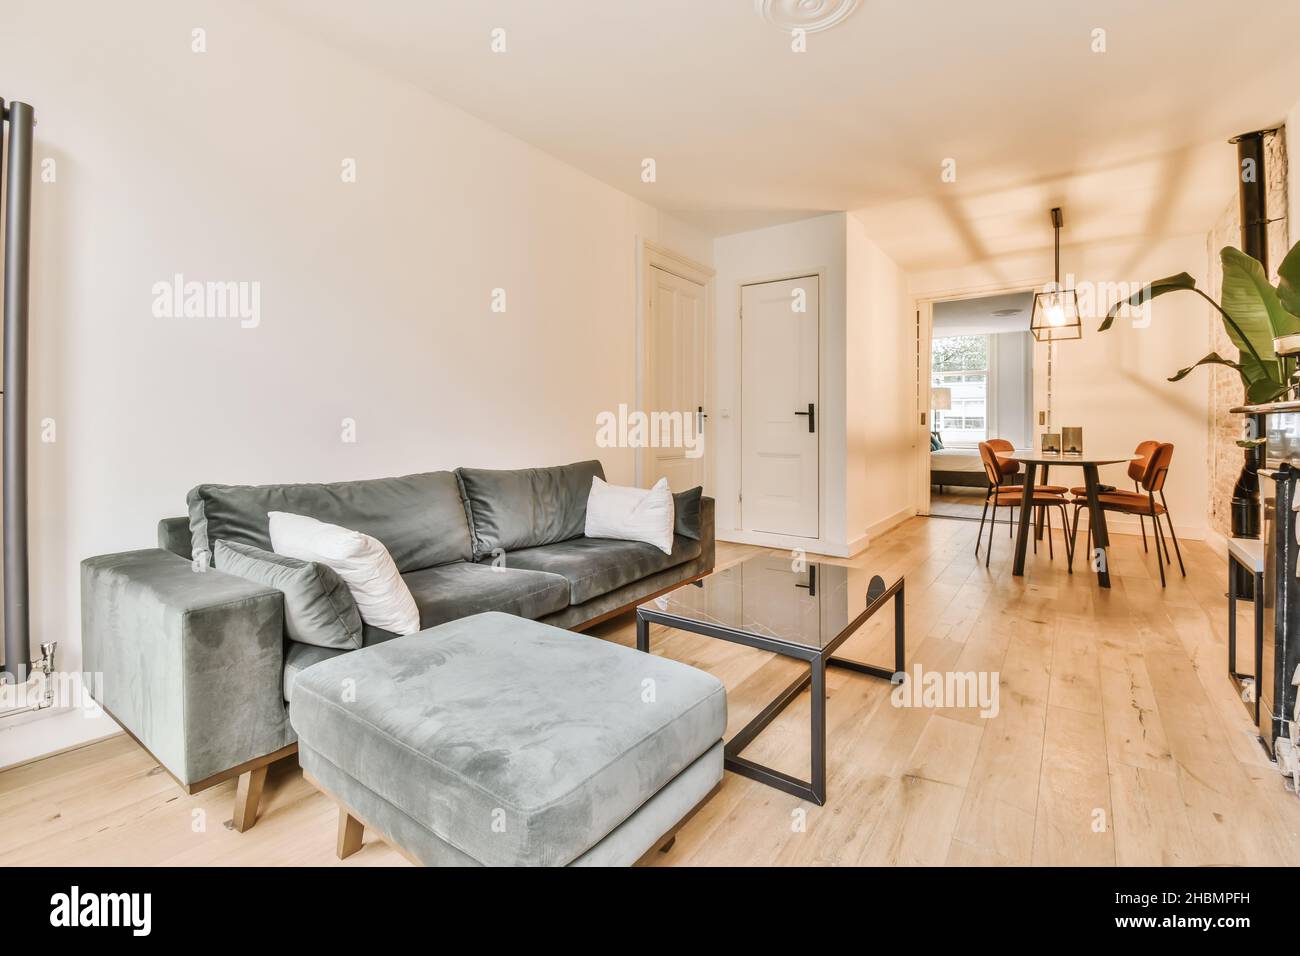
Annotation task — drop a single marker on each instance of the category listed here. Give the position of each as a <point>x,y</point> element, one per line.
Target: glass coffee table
<point>803,610</point>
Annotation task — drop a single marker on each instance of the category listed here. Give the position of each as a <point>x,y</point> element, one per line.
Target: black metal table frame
<point>817,658</point>
<point>1232,624</point>
<point>1096,519</point>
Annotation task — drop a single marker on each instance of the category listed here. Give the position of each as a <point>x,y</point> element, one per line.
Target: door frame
<point>768,538</point>
<point>651,255</point>
<point>924,308</point>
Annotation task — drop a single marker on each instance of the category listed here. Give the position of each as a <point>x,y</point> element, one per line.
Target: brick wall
<point>1225,385</point>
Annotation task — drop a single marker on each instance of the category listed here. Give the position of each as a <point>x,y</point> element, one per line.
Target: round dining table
<point>1032,461</point>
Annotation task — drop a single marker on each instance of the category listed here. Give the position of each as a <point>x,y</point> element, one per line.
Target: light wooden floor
<point>955,502</point>
<point>1119,741</point>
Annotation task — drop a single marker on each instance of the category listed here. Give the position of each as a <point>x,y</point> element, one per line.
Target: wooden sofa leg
<point>350,832</point>
<point>248,794</point>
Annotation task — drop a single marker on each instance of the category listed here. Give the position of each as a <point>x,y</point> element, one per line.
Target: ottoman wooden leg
<point>350,832</point>
<point>248,794</point>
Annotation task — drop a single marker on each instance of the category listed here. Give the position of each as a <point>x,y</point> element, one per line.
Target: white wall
<point>880,358</point>
<point>226,165</point>
<point>867,380</point>
<point>1113,384</point>
<point>781,252</point>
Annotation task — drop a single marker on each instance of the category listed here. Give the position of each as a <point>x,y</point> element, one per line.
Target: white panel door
<point>780,426</point>
<point>678,352</point>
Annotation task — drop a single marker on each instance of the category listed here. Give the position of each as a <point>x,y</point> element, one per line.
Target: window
<point>962,363</point>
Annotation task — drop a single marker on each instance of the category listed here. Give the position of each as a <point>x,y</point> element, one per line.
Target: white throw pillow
<point>631,514</point>
<point>362,562</point>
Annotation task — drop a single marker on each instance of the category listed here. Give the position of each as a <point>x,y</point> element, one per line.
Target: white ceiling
<point>745,132</point>
<point>976,316</point>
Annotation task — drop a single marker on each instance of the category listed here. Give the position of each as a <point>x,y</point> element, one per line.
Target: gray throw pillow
<point>318,607</point>
<point>526,507</point>
<point>686,508</point>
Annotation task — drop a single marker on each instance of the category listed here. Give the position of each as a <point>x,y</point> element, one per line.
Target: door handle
<point>812,416</point>
<point>700,415</point>
<point>811,586</point>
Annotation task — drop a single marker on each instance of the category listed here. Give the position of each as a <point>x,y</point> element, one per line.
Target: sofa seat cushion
<point>596,566</point>
<point>299,657</point>
<point>458,590</point>
<point>448,592</point>
<point>515,742</point>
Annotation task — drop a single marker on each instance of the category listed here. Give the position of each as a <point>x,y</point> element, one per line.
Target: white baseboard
<point>28,737</point>
<point>786,542</point>
<point>1128,524</point>
<point>888,523</point>
<point>816,545</point>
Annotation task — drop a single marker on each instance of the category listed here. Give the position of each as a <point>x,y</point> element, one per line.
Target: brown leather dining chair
<point>1005,453</point>
<point>1137,468</point>
<point>1002,494</point>
<point>1144,505</point>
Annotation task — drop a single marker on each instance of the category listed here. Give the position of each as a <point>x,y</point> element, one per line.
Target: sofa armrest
<point>708,541</point>
<point>174,536</point>
<point>191,663</point>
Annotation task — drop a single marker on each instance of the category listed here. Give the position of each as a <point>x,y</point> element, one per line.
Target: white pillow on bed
<point>631,514</point>
<point>362,562</point>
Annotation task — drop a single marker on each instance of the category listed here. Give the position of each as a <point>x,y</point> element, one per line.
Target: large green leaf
<point>1253,304</point>
<point>1214,358</point>
<point>1178,283</point>
<point>1261,385</point>
<point>1288,286</point>
<point>1264,390</point>
<point>1251,357</point>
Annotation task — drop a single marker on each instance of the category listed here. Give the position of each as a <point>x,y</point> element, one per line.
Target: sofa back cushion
<point>686,513</point>
<point>527,507</point>
<point>420,519</point>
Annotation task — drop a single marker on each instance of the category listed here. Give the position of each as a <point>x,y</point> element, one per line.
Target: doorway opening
<point>980,387</point>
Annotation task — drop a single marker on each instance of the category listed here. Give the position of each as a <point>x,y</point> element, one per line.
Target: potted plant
<point>1254,313</point>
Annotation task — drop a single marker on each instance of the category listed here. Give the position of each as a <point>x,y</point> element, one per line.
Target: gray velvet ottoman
<point>495,740</point>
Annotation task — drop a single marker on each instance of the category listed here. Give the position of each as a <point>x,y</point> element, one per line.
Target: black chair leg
<point>1047,523</point>
<point>1170,520</point>
<point>988,551</point>
<point>1142,523</point>
<point>1160,543</point>
<point>981,531</point>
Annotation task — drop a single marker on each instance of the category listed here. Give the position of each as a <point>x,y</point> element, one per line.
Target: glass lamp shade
<point>941,399</point>
<point>1056,316</point>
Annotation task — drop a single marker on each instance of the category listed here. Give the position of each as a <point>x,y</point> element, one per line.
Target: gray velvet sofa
<point>196,663</point>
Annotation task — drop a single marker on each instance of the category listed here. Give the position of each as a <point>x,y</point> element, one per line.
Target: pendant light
<point>1056,310</point>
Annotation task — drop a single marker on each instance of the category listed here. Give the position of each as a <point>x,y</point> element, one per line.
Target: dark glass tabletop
<point>805,603</point>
